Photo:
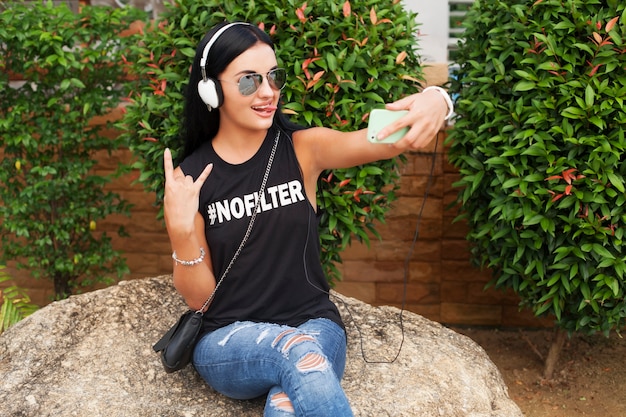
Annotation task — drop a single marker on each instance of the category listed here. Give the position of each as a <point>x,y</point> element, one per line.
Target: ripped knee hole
<point>282,402</point>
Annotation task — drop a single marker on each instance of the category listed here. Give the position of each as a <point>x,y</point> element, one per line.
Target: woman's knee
<point>303,348</point>
<point>332,340</point>
<point>279,404</point>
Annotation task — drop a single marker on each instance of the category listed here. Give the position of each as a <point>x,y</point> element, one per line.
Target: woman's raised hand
<point>181,198</point>
<point>427,112</point>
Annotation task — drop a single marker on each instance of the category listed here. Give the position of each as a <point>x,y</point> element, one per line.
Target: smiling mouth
<point>264,109</point>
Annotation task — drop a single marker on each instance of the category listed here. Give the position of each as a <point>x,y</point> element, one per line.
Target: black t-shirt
<point>277,277</point>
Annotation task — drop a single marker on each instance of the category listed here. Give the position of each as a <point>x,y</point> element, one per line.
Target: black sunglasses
<point>249,83</point>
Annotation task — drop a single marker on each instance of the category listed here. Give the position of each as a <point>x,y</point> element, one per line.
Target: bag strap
<point>249,230</point>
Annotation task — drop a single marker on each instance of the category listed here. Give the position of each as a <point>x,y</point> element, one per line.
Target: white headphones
<point>210,90</point>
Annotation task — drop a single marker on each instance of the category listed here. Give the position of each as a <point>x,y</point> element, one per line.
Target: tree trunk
<point>558,340</point>
<point>62,287</point>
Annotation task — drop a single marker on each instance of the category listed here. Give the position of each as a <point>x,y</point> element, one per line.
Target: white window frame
<point>434,16</point>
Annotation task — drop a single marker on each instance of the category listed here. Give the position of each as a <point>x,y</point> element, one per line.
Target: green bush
<point>50,197</point>
<point>342,60</point>
<point>539,142</point>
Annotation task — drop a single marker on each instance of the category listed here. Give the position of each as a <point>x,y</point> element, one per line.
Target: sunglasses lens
<point>277,78</point>
<point>248,84</point>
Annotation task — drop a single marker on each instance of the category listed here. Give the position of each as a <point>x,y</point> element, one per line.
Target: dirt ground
<point>590,378</point>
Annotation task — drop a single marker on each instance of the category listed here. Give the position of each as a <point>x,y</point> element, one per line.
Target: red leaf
<point>305,66</point>
<point>594,70</point>
<point>597,38</point>
<point>346,9</point>
<point>557,197</point>
<point>568,175</point>
<point>401,57</point>
<point>373,16</point>
<point>300,13</point>
<point>611,23</point>
<point>311,84</point>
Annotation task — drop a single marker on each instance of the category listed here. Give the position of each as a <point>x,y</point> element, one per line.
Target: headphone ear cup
<point>211,93</point>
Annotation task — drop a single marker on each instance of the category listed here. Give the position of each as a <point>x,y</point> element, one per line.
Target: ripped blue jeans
<point>299,368</point>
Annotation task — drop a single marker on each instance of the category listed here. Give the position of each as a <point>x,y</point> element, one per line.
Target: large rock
<point>91,355</point>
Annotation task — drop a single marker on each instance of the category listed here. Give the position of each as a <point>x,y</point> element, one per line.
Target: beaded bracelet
<point>193,262</point>
<point>446,97</point>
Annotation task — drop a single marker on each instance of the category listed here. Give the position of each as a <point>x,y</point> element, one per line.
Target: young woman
<point>271,328</point>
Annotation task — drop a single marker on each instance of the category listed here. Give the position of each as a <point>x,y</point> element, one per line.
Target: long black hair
<point>200,124</point>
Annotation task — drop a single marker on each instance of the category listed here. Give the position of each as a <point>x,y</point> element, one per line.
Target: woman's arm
<point>194,282</point>
<point>193,271</point>
<point>321,148</point>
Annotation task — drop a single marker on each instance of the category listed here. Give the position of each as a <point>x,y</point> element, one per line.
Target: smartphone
<point>379,118</point>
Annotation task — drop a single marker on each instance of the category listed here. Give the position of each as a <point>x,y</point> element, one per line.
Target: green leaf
<point>533,220</point>
<point>616,181</point>
<point>524,86</point>
<point>573,113</point>
<point>590,96</point>
<point>602,251</point>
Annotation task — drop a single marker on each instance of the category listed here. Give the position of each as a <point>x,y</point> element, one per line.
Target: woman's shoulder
<point>195,163</point>
<point>288,127</point>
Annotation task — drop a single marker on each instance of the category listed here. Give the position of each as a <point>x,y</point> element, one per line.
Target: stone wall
<point>441,283</point>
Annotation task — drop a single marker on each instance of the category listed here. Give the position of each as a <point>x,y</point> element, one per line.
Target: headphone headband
<point>207,47</point>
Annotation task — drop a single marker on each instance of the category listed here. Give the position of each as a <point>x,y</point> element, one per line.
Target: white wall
<point>433,19</point>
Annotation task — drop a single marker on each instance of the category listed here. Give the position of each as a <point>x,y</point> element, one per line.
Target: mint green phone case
<point>379,118</point>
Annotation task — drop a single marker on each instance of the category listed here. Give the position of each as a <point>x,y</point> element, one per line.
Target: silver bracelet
<point>193,262</point>
<point>446,97</point>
